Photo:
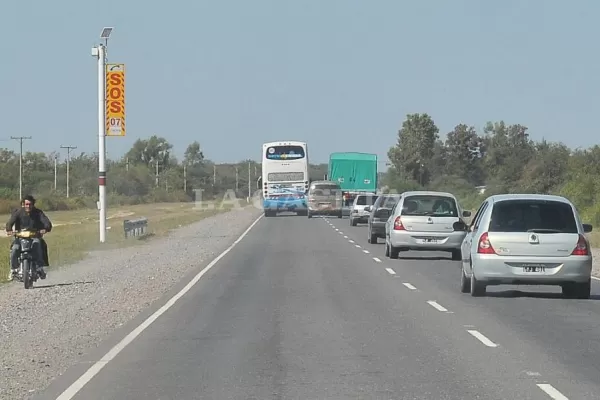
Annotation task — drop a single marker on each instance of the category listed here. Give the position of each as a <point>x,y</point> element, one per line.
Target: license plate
<point>429,240</point>
<point>534,268</point>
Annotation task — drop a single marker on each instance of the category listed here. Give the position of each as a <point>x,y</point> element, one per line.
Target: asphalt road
<point>307,309</point>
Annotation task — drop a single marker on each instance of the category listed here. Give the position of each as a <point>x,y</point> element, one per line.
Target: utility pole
<point>156,171</point>
<point>20,139</point>
<point>214,175</point>
<point>249,179</point>
<point>69,148</point>
<point>184,179</point>
<point>99,52</point>
<point>237,179</point>
<point>127,164</point>
<point>55,172</point>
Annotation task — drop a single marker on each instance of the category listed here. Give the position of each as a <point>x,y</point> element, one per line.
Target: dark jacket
<point>35,219</point>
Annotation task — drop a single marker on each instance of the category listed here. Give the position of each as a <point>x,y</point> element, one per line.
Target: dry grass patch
<point>75,233</point>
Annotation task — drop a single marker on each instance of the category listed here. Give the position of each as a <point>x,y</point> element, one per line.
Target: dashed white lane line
<point>357,246</point>
<point>337,230</point>
<point>408,285</point>
<point>551,391</point>
<point>366,251</point>
<point>390,271</point>
<point>351,241</point>
<point>437,306</point>
<point>345,237</point>
<point>376,259</point>
<point>341,233</point>
<point>479,336</point>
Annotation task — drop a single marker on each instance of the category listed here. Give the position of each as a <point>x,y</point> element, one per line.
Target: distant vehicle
<point>526,239</point>
<point>360,208</point>
<point>284,177</point>
<point>355,172</point>
<point>423,220</point>
<point>378,215</point>
<point>324,198</point>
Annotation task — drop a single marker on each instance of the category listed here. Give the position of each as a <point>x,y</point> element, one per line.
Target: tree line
<point>148,173</point>
<point>501,159</point>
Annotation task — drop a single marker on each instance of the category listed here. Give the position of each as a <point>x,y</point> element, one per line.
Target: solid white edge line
<point>84,379</point>
<point>376,259</point>
<point>366,251</point>
<point>479,336</point>
<point>551,391</point>
<point>408,285</point>
<point>390,271</point>
<point>436,305</point>
<point>595,278</point>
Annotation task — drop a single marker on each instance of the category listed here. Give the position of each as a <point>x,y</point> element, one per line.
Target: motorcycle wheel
<point>27,274</point>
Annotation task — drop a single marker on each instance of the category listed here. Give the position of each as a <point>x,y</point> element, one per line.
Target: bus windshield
<point>284,153</point>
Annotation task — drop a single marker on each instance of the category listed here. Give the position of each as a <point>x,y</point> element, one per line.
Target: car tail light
<point>582,248</point>
<point>398,225</point>
<point>484,246</point>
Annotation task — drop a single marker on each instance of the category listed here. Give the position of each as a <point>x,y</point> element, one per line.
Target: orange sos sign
<point>115,100</point>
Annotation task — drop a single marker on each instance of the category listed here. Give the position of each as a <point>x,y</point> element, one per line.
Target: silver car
<point>359,211</point>
<point>526,239</point>
<point>423,220</point>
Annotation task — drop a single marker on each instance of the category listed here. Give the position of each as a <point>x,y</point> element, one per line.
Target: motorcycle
<point>28,272</point>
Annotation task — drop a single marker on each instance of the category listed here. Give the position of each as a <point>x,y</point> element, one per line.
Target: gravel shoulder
<point>77,307</point>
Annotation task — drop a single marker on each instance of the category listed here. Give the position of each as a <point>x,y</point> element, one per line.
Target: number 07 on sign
<point>115,99</point>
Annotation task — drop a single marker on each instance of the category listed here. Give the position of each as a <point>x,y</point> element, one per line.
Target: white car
<point>423,220</point>
<point>526,239</point>
<point>360,208</point>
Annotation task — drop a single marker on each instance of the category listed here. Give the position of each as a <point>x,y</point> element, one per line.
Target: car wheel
<point>394,252</point>
<point>387,250</point>
<point>477,288</point>
<point>352,222</point>
<point>577,290</point>
<point>465,283</point>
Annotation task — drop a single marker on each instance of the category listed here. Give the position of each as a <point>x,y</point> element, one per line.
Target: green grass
<point>76,232</point>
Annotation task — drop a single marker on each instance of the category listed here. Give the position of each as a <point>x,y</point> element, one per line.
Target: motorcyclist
<point>29,217</point>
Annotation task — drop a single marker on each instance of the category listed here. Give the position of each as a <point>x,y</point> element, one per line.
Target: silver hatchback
<point>526,239</point>
<point>423,220</point>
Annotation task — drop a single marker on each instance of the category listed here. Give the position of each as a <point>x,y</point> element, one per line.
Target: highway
<point>307,309</point>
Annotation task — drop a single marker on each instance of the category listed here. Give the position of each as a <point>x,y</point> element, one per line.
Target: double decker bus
<point>284,177</point>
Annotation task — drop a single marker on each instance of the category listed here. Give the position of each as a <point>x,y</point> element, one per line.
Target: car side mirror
<point>459,226</point>
<point>587,228</point>
<point>466,214</point>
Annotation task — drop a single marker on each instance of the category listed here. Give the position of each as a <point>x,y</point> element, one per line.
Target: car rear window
<point>430,205</point>
<point>389,201</point>
<point>366,200</point>
<point>541,216</point>
<point>324,190</point>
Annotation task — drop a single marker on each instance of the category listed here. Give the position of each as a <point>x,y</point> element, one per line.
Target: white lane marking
<point>345,237</point>
<point>357,246</point>
<point>551,391</point>
<point>84,379</point>
<point>351,241</point>
<point>436,305</point>
<point>366,251</point>
<point>376,259</point>
<point>479,336</point>
<point>390,271</point>
<point>595,278</point>
<point>337,230</point>
<point>341,233</point>
<point>408,285</point>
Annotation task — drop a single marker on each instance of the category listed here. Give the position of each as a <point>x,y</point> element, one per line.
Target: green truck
<point>354,172</point>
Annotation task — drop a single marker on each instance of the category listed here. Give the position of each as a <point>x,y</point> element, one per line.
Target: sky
<point>339,74</point>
